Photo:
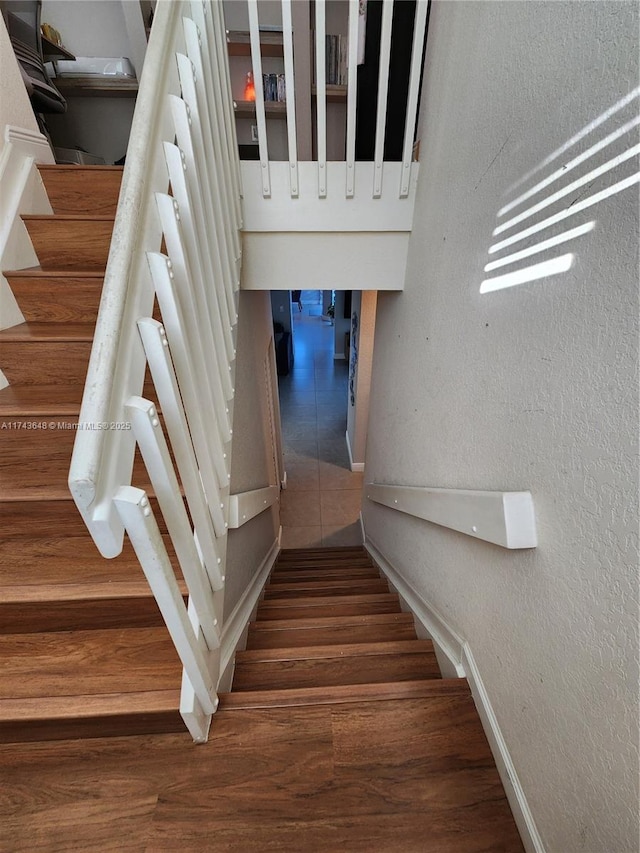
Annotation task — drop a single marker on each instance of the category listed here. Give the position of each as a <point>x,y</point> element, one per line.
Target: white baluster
<point>321,99</point>
<point>256,61</point>
<point>207,441</point>
<point>287,36</point>
<point>419,25</point>
<point>137,517</point>
<point>156,347</point>
<point>215,150</point>
<point>210,185</point>
<point>383,90</point>
<point>352,98</point>
<point>204,286</point>
<point>147,429</point>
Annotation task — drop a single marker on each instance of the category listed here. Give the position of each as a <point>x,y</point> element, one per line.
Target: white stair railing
<point>182,141</point>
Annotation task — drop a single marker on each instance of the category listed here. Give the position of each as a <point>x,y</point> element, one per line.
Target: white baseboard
<point>355,466</point>
<point>443,636</point>
<point>454,650</point>
<point>512,787</point>
<point>234,626</point>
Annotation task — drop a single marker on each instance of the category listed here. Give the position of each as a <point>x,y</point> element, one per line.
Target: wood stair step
<point>330,672</point>
<point>324,588</point>
<point>56,296</point>
<point>330,631</point>
<point>63,583</point>
<point>297,575</point>
<point>296,653</point>
<point>46,353</point>
<point>82,189</point>
<point>69,663</point>
<point>40,400</point>
<point>338,605</point>
<point>93,716</point>
<point>49,518</point>
<point>35,461</point>
<point>417,689</point>
<point>70,242</point>
<point>309,565</point>
<point>322,551</point>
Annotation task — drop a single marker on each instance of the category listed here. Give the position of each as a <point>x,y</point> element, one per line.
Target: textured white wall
<point>251,461</point>
<point>533,387</point>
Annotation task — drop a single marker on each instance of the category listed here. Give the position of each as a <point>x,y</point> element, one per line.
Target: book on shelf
<point>336,60</point>
<point>274,87</point>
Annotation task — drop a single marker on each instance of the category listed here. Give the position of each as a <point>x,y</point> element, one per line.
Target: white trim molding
<point>23,148</point>
<point>503,518</point>
<point>355,466</point>
<point>455,658</point>
<point>246,505</point>
<point>239,619</point>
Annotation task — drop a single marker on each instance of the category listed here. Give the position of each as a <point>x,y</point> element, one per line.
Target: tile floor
<point>321,503</point>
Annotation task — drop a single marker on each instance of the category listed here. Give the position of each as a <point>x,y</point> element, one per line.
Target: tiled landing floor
<point>321,504</point>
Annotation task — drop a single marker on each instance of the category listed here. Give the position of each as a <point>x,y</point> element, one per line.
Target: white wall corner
<point>355,466</point>
<point>458,661</point>
<point>512,787</point>
<point>235,625</point>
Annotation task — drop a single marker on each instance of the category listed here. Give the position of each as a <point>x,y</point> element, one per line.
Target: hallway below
<point>321,504</point>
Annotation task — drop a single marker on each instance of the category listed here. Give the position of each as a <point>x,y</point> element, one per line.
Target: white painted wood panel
<point>336,212</point>
<point>346,261</point>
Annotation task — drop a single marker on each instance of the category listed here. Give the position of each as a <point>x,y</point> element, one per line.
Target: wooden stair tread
<point>327,600</point>
<point>399,647</point>
<point>334,549</point>
<point>324,588</point>
<point>334,622</point>
<point>39,271</point>
<point>341,635</point>
<point>107,715</point>
<point>40,400</point>
<point>324,574</point>
<point>49,332</point>
<point>341,694</point>
<point>87,705</point>
<point>66,217</point>
<point>35,462</point>
<point>332,672</point>
<point>85,662</point>
<point>70,298</point>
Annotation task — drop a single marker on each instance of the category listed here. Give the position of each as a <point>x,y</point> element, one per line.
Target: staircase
<point>384,754</point>
<point>83,648</point>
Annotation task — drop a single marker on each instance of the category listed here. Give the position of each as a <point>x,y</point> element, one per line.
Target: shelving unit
<point>97,87</point>
<point>239,43</point>
<point>273,109</point>
<point>335,94</point>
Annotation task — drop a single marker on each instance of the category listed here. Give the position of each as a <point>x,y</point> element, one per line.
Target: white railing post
<point>420,22</point>
<point>137,517</point>
<point>383,91</point>
<point>256,61</point>
<point>287,37</point>
<point>321,98</point>
<point>352,96</point>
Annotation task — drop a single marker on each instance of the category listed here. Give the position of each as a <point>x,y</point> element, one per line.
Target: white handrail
<point>503,518</point>
<point>183,95</point>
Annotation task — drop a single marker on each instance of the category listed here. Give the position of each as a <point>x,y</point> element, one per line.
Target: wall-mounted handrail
<point>503,518</point>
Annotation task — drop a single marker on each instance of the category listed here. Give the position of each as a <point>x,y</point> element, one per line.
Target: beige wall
<point>251,460</point>
<point>532,387</point>
<point>364,303</point>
